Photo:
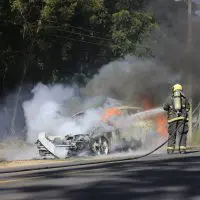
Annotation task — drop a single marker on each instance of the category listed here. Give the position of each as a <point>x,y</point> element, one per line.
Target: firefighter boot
<point>170,150</point>
<point>182,150</point>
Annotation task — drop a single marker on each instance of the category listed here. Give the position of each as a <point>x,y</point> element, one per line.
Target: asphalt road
<point>156,177</point>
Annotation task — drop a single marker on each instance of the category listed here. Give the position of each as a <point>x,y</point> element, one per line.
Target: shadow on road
<point>177,178</point>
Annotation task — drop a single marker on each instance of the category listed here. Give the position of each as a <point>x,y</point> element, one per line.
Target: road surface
<point>155,177</point>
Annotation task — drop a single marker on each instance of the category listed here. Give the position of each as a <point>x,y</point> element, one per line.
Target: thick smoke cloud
<point>125,81</point>
<point>42,110</point>
<point>51,108</point>
<point>128,80</point>
<point>172,47</point>
<point>131,79</point>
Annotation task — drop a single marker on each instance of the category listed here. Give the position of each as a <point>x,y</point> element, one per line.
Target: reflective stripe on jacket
<point>177,119</point>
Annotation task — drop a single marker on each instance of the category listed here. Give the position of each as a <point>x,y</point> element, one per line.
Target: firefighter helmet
<point>177,87</point>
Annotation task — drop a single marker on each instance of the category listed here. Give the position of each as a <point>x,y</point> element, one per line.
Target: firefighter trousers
<point>179,128</point>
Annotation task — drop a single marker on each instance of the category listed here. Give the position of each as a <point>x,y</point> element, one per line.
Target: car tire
<point>100,146</point>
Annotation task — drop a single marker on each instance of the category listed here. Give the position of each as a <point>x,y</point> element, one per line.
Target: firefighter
<point>177,107</point>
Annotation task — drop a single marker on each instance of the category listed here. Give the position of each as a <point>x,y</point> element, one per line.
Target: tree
<point>66,40</point>
<point>75,36</point>
<point>129,29</point>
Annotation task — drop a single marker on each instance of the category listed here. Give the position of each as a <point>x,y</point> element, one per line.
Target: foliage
<point>128,29</point>
<point>62,39</point>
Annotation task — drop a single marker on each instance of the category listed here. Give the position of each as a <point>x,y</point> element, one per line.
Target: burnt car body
<point>97,141</point>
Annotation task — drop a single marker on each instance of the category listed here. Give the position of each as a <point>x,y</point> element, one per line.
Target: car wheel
<point>100,146</point>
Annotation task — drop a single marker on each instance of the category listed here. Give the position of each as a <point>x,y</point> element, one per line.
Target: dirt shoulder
<point>24,163</point>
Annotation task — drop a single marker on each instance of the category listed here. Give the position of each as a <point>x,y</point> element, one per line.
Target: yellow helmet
<point>177,87</point>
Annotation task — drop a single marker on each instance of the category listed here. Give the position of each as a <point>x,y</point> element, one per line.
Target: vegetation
<point>67,40</point>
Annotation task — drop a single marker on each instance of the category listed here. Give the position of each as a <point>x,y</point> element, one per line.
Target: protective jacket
<point>172,113</point>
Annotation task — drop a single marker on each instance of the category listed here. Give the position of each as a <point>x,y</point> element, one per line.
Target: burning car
<point>102,139</point>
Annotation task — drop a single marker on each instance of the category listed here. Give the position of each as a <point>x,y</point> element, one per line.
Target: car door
<point>134,129</point>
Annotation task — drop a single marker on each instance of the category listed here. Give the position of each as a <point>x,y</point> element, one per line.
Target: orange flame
<point>110,112</point>
<point>160,120</point>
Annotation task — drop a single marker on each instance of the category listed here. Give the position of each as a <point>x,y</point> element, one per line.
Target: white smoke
<point>79,126</point>
<point>42,111</point>
<point>48,111</point>
<point>51,107</point>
